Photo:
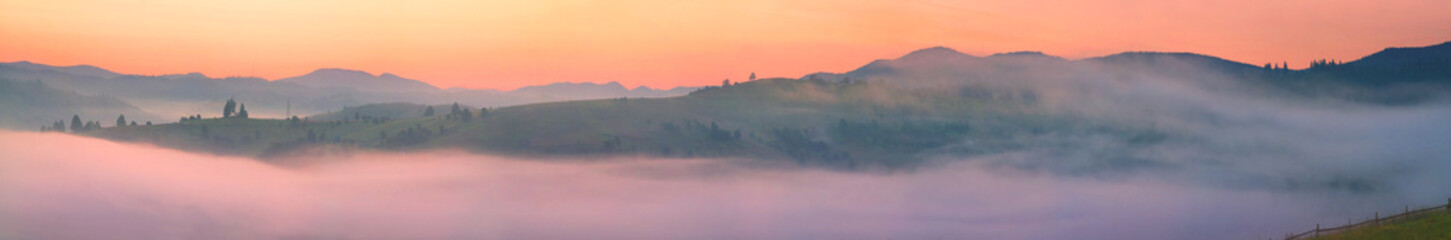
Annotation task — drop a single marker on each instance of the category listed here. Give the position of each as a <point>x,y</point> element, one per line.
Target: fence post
<point>1377,218</point>
<point>1317,229</point>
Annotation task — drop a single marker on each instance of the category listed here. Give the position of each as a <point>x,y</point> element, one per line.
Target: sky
<point>662,43</point>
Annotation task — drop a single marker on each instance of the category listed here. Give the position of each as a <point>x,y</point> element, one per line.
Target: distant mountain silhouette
<point>1392,76</point>
<point>83,70</point>
<point>1434,56</point>
<point>29,105</point>
<point>363,81</point>
<point>585,90</point>
<point>1162,60</point>
<point>320,91</point>
<point>1025,56</point>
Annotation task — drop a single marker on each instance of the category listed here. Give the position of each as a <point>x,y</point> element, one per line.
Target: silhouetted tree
<point>76,123</point>
<point>428,112</point>
<point>58,126</point>
<point>242,113</point>
<point>230,108</point>
<point>725,83</point>
<point>133,123</point>
<point>483,112</point>
<point>121,120</point>
<point>148,123</point>
<point>753,76</point>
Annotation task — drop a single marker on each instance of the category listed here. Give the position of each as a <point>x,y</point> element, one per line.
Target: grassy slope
<point>1429,226</point>
<point>760,110</point>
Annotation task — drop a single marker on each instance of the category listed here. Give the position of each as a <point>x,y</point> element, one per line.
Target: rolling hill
<point>30,105</point>
<point>894,113</point>
<point>321,91</point>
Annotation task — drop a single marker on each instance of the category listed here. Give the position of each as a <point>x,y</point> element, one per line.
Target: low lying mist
<point>58,186</point>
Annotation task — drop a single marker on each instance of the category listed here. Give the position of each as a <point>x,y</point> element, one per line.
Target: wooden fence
<point>1376,221</point>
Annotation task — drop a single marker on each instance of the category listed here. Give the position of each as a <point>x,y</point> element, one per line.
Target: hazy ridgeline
<point>167,97</point>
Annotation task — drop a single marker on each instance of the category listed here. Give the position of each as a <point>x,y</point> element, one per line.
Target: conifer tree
<point>242,113</point>
<point>230,108</point>
<point>76,123</point>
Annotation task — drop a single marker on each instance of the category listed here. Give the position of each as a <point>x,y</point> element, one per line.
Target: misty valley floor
<point>133,191</point>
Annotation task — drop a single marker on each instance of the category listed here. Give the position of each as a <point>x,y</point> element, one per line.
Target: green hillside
<point>840,124</point>
<point>1429,226</point>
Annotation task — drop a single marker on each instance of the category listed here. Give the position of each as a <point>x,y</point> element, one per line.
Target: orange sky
<point>664,43</point>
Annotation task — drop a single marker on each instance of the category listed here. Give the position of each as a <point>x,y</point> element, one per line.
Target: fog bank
<point>57,186</point>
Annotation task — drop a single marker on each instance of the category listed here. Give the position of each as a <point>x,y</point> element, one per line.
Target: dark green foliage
<point>459,114</point>
<point>798,144</point>
<point>121,120</point>
<point>229,109</point>
<point>58,126</point>
<point>911,136</point>
<point>243,112</point>
<point>612,144</point>
<point>716,134</point>
<point>407,137</point>
<point>76,123</point>
<point>428,112</point>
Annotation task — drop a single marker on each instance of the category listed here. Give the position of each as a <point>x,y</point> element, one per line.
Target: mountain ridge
<point>360,80</point>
